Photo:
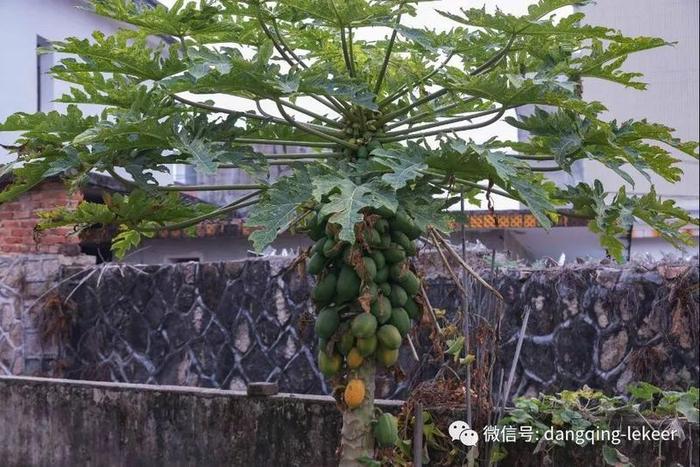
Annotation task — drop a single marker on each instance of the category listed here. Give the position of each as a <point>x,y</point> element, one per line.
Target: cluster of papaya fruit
<point>365,293</point>
<point>361,129</point>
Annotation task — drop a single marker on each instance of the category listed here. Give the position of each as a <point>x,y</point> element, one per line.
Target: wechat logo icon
<point>460,430</point>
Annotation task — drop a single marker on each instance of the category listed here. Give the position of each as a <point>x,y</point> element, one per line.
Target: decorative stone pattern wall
<point>601,326</point>
<point>225,324</point>
<point>24,348</point>
<point>213,325</point>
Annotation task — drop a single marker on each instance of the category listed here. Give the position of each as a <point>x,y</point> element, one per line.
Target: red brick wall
<point>18,219</point>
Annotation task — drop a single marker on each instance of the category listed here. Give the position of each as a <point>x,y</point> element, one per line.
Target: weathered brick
<point>18,219</point>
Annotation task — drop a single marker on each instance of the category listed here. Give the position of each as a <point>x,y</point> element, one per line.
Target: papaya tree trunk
<point>357,441</point>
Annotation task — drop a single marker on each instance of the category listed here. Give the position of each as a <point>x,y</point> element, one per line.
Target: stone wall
<point>61,423</point>
<point>49,422</point>
<point>24,348</point>
<point>223,325</point>
<point>216,325</point>
<point>602,326</point>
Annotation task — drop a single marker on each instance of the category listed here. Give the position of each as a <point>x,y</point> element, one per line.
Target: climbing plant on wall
<point>386,111</point>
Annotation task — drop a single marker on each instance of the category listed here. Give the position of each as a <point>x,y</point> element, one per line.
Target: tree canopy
<point>389,126</point>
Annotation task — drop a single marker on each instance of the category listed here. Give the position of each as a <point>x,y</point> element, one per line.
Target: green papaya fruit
<point>381,309</point>
<point>386,240</point>
<point>318,246</point>
<point>329,248</point>
<point>317,228</point>
<point>373,238</point>
<point>362,153</point>
<point>414,231</point>
<point>324,291</point>
<point>396,271</point>
<point>385,289</point>
<point>373,290</point>
<point>346,342</point>
<point>364,325</point>
<point>389,337</point>
<point>401,222</point>
<point>327,322</point>
<point>387,357</point>
<point>405,224</point>
<point>407,244</point>
<point>348,285</point>
<point>367,345</point>
<point>382,225</point>
<point>385,212</point>
<point>400,238</point>
<point>382,275</point>
<point>398,296</point>
<point>400,320</point>
<point>379,259</point>
<point>386,430</point>
<point>370,268</point>
<point>329,364</point>
<point>412,309</point>
<point>394,254</point>
<point>410,283</point>
<point>413,251</point>
<point>316,264</point>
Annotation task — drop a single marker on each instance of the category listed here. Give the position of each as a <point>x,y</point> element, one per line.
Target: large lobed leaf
<point>343,200</point>
<point>284,51</point>
<point>279,207</point>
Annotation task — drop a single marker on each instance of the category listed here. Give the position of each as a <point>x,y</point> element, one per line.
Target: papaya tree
<point>386,113</point>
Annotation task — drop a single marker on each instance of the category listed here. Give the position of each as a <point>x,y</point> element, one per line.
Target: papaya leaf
<point>424,208</point>
<point>370,90</point>
<point>346,199</point>
<point>405,164</point>
<point>278,207</point>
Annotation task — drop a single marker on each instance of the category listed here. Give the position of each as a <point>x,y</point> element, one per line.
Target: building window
<point>44,81</point>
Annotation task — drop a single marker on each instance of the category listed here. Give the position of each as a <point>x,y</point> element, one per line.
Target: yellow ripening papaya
<point>354,358</point>
<point>354,393</point>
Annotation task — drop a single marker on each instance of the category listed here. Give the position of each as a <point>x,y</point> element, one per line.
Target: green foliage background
<point>394,131</point>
